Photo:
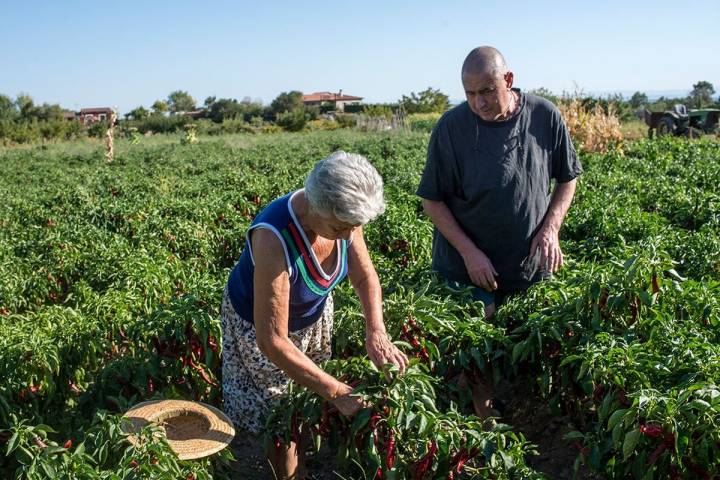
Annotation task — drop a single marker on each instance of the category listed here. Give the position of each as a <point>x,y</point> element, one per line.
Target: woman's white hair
<point>346,186</point>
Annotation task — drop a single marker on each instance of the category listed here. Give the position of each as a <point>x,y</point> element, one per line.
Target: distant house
<point>88,116</point>
<point>337,100</point>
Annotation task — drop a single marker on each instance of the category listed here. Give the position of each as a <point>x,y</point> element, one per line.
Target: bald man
<point>487,185</point>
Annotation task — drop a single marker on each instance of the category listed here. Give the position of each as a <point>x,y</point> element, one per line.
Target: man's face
<point>487,95</point>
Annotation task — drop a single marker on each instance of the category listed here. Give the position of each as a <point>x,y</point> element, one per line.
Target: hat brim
<point>193,429</point>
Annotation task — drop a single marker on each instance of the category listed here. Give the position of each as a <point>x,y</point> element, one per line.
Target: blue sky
<point>81,53</point>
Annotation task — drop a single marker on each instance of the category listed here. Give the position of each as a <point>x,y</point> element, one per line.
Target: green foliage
<point>422,122</point>
<point>129,261</point>
<point>139,113</point>
<point>98,129</point>
<point>701,94</point>
<point>229,108</point>
<point>8,110</point>
<point>286,102</point>
<point>160,107</point>
<point>180,101</point>
<point>293,120</point>
<point>638,99</point>
<point>429,100</point>
<point>377,110</point>
<point>546,94</point>
<point>159,123</point>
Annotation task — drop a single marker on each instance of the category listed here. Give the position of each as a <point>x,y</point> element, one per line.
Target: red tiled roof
<point>84,111</point>
<point>329,97</point>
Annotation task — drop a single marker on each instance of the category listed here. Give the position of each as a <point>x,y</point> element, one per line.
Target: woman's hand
<point>347,403</point>
<point>382,351</point>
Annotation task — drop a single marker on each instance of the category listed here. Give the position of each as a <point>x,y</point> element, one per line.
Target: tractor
<point>682,122</point>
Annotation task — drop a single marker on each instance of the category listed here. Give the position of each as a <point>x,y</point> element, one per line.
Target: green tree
<point>8,111</point>
<point>545,93</point>
<point>224,108</point>
<point>160,107</point>
<point>638,99</point>
<point>701,94</point>
<point>26,106</point>
<point>138,113</point>
<point>428,101</point>
<point>180,101</point>
<point>287,102</point>
<point>208,103</point>
<point>49,112</point>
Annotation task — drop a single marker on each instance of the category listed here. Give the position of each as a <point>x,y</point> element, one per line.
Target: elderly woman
<point>277,310</point>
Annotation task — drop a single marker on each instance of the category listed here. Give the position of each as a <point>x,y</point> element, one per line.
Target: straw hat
<point>193,429</point>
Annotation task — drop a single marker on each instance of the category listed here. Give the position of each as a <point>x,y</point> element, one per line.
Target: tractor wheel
<point>694,132</point>
<point>666,126</point>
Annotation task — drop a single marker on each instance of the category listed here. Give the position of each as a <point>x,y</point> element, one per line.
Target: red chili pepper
<point>378,473</point>
<point>68,444</point>
<point>133,463</point>
<point>413,324</point>
<point>390,459</point>
<point>202,373</point>
<point>212,343</point>
<point>423,465</point>
<point>656,454</point>
<point>373,420</point>
<point>458,460</point>
<point>652,431</point>
<point>655,283</point>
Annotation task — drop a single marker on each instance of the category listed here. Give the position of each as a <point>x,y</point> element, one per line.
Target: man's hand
<point>481,270</point>
<point>382,351</point>
<point>548,242</point>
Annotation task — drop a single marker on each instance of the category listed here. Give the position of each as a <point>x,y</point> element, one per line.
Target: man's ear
<point>509,77</point>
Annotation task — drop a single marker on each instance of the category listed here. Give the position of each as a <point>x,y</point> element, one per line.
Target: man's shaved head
<point>484,60</point>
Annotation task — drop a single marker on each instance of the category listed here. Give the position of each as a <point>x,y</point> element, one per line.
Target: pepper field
<point>111,277</point>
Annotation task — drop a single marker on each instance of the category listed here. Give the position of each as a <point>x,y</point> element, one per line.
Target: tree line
<point>23,121</point>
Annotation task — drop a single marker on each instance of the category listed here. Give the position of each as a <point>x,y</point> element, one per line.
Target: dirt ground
<point>525,412</point>
<point>532,416</point>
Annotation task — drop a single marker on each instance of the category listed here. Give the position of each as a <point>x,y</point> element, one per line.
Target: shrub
<point>346,120</point>
<point>292,121</point>
<point>98,129</point>
<point>323,124</point>
<point>422,122</point>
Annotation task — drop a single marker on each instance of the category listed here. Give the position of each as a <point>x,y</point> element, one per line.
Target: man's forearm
<point>559,205</point>
<point>445,222</point>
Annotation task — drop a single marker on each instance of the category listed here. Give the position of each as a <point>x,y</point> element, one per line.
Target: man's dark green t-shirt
<point>495,177</point>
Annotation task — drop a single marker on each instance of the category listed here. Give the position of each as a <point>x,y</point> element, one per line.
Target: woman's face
<point>333,229</point>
